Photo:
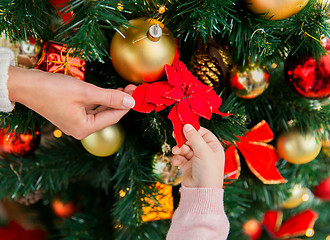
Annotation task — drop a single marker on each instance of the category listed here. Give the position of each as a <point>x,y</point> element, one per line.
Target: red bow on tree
<point>293,227</point>
<point>259,156</point>
<point>191,98</point>
<point>14,231</point>
<point>59,5</point>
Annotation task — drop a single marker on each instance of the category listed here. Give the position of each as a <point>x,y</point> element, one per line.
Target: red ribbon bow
<point>191,98</point>
<point>14,231</point>
<point>259,156</point>
<point>293,227</point>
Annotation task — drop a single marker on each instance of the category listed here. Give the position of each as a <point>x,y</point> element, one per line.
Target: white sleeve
<point>7,58</point>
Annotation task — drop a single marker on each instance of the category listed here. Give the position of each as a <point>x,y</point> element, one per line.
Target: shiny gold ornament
<point>140,52</point>
<point>105,142</point>
<point>162,166</point>
<point>249,82</point>
<point>296,198</point>
<point>297,147</point>
<point>275,9</point>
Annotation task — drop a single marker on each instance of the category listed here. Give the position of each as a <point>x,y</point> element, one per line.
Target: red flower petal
<point>155,92</point>
<point>173,76</point>
<point>200,107</point>
<point>139,96</point>
<point>177,127</point>
<point>175,94</point>
<point>185,113</point>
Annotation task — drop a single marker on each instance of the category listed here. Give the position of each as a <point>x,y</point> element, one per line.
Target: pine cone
<point>32,198</point>
<point>206,69</point>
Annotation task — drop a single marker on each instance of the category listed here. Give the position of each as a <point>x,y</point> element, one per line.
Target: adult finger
<point>195,141</point>
<point>109,97</point>
<point>104,119</point>
<point>130,89</point>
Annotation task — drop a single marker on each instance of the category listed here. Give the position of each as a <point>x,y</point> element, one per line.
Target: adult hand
<point>74,106</point>
<point>201,159</point>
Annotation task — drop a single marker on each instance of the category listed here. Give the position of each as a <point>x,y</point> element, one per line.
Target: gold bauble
<point>297,147</point>
<point>276,9</point>
<point>105,142</point>
<point>141,52</point>
<point>249,82</point>
<point>298,195</point>
<point>170,175</point>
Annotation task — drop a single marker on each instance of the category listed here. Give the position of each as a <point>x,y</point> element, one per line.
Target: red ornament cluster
<point>18,144</point>
<point>309,77</point>
<point>190,98</point>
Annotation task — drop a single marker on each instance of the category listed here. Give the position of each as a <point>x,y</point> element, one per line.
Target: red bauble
<point>19,144</point>
<point>309,77</point>
<point>322,190</point>
<point>253,228</point>
<point>63,210</point>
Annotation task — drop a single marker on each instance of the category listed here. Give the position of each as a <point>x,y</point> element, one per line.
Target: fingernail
<point>188,127</point>
<point>128,102</point>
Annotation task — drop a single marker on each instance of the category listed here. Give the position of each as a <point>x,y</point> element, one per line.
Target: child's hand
<point>76,107</point>
<point>201,159</point>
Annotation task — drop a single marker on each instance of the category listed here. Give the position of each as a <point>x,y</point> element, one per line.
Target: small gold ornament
<point>170,174</point>
<point>105,142</point>
<point>140,52</point>
<point>298,195</point>
<point>275,9</point>
<point>249,82</point>
<point>297,147</point>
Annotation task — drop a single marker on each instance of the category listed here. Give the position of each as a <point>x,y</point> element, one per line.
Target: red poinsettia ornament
<point>259,156</point>
<point>190,98</point>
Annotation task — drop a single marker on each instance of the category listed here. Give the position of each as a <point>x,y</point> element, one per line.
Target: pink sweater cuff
<point>201,200</point>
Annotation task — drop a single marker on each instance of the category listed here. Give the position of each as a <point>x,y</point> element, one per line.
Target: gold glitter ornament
<point>297,147</point>
<point>163,167</point>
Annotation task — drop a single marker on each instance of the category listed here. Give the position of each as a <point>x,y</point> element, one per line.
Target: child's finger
<point>196,141</point>
<point>178,160</point>
<point>210,139</point>
<point>184,150</point>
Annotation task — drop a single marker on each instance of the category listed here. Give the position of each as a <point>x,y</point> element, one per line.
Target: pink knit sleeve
<point>200,216</point>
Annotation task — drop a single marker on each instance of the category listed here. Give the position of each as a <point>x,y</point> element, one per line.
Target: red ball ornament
<point>18,144</point>
<point>63,209</point>
<point>253,228</point>
<point>309,77</point>
<point>322,190</point>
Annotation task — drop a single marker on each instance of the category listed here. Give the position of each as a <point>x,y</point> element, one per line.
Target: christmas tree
<point>268,62</point>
